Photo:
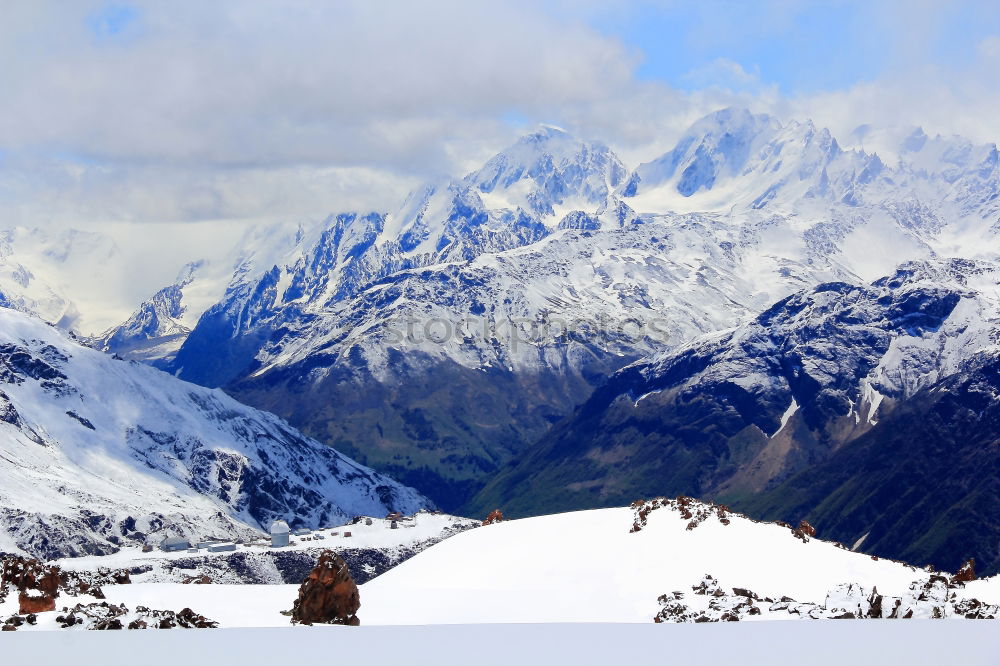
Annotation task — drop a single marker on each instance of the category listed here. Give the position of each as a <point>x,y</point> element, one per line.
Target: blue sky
<point>800,47</point>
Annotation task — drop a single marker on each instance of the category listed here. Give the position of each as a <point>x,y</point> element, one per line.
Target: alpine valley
<point>758,316</point>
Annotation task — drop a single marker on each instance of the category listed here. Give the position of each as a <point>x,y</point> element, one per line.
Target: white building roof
<point>279,527</point>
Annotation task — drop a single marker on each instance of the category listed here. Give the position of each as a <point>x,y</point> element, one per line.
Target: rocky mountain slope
<point>97,452</point>
<point>453,332</point>
<point>818,393</point>
<point>921,485</point>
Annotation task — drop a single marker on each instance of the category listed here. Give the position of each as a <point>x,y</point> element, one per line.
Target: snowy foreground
<point>579,587</point>
<point>585,566</point>
<point>816,643</point>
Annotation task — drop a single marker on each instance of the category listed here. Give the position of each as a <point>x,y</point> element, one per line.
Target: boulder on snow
<point>804,531</point>
<point>35,601</point>
<point>496,516</point>
<point>328,595</point>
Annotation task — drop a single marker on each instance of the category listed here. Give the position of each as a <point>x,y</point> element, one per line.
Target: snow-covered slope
<point>98,452</point>
<point>372,548</point>
<point>608,565</point>
<point>590,566</point>
<point>655,563</point>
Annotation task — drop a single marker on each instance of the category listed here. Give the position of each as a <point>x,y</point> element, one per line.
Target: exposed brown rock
<point>39,584</point>
<point>25,573</point>
<point>496,516</point>
<point>188,619</point>
<point>804,531</point>
<point>35,602</point>
<point>966,574</point>
<point>328,595</point>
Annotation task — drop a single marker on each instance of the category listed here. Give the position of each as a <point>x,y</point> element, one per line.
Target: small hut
<point>279,534</point>
<point>174,544</point>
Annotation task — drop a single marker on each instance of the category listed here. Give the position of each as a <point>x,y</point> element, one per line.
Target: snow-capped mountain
<point>733,157</point>
<point>392,321</point>
<point>734,160</point>
<point>97,452</point>
<point>734,413</point>
<point>156,329</point>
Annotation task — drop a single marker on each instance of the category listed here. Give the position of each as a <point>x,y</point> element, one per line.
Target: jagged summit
<point>547,171</point>
<point>735,158</point>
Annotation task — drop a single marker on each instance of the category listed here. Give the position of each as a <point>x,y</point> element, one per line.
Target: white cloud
<point>276,110</point>
<point>945,101</point>
<point>193,110</point>
<point>725,74</point>
<point>234,83</point>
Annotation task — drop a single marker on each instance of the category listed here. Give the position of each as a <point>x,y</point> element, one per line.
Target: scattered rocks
<point>38,584</point>
<point>328,595</point>
<point>111,617</point>
<point>933,598</point>
<point>694,511</point>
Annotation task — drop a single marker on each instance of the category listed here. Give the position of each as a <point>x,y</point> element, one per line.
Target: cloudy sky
<point>183,112</point>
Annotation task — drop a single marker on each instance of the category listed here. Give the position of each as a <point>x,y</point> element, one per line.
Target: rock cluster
<point>328,595</point>
<point>934,598</point>
<point>104,616</point>
<point>694,511</point>
<point>697,512</point>
<point>38,584</point>
<point>804,531</point>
